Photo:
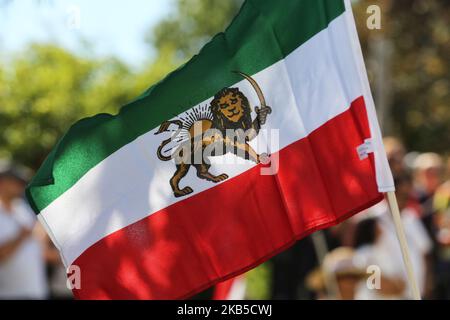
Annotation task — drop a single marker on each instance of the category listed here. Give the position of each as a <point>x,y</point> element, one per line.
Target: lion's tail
<point>163,128</point>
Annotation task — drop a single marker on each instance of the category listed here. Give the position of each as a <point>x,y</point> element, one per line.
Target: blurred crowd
<point>362,258</point>
<point>30,266</point>
<point>358,259</point>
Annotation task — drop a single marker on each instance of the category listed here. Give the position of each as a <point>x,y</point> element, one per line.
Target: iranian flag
<point>149,204</point>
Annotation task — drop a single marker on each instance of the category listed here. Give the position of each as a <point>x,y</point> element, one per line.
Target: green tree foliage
<point>45,89</point>
<point>191,25</point>
<point>419,33</point>
<point>421,103</point>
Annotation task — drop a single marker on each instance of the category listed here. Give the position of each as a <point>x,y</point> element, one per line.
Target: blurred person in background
<point>22,266</point>
<point>291,267</point>
<point>338,277</point>
<point>289,270</point>
<point>441,205</point>
<point>428,169</point>
<point>395,152</point>
<point>56,271</point>
<point>369,252</point>
<point>428,174</point>
<point>376,244</point>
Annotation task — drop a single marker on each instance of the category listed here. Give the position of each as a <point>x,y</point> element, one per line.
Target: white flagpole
<point>393,205</point>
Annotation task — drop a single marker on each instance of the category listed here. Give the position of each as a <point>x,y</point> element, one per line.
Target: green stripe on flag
<point>263,33</point>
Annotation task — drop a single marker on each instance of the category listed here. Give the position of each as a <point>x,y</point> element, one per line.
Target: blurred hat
<point>393,146</point>
<point>10,170</point>
<point>410,158</point>
<point>428,160</point>
<point>340,262</point>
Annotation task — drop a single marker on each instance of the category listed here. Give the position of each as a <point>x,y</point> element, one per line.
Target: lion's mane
<point>221,122</point>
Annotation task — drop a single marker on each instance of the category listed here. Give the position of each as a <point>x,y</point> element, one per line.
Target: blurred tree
<point>258,282</point>
<point>191,25</point>
<point>419,45</point>
<point>45,89</point>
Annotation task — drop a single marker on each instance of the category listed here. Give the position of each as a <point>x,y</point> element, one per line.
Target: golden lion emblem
<point>225,126</point>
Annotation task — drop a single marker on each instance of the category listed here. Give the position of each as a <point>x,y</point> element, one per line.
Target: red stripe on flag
<point>231,228</point>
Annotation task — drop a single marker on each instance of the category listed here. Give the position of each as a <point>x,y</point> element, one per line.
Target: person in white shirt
<point>22,266</point>
<point>385,252</point>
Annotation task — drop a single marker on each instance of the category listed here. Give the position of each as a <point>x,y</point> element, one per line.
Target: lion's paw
<point>220,177</point>
<point>264,158</point>
<point>183,192</point>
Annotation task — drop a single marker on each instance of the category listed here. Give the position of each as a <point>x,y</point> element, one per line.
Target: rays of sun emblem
<point>224,126</point>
